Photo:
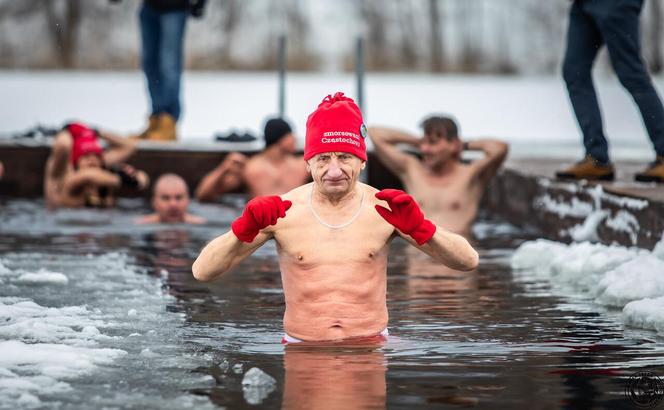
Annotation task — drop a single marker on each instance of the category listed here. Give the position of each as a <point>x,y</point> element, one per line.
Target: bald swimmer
<point>170,200</point>
<point>333,235</point>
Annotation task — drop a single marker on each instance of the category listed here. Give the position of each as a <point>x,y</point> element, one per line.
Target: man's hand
<point>259,213</point>
<point>405,215</point>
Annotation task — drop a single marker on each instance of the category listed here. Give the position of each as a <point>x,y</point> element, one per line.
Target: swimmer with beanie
<point>80,173</point>
<point>333,235</point>
<point>277,169</point>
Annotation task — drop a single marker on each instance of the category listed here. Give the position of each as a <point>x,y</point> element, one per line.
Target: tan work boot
<point>152,125</point>
<point>654,172</point>
<point>589,169</point>
<point>165,130</point>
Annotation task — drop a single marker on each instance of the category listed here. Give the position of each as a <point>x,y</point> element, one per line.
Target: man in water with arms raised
<point>333,235</point>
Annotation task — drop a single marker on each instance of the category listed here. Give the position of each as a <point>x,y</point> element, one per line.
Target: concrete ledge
<point>621,212</point>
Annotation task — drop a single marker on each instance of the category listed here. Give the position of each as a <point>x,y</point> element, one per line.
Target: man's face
<point>170,201</point>
<point>288,143</point>
<point>437,149</point>
<point>336,173</point>
<point>89,161</point>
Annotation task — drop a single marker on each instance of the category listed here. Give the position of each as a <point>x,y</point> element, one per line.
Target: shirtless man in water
<point>333,235</point>
<point>277,169</point>
<point>79,173</point>
<point>448,190</point>
<point>274,171</point>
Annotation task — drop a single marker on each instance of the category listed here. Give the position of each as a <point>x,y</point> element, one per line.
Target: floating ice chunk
<point>148,353</point>
<point>132,312</point>
<point>223,366</point>
<point>53,360</point>
<point>257,385</point>
<point>658,251</point>
<point>536,255</point>
<point>42,277</point>
<point>636,279</point>
<point>134,335</point>
<point>28,401</point>
<point>237,368</point>
<point>646,313</point>
<point>28,321</point>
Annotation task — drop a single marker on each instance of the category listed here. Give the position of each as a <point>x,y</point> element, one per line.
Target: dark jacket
<point>194,7</point>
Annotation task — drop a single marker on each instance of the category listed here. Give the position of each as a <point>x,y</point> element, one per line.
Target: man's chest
<point>308,241</point>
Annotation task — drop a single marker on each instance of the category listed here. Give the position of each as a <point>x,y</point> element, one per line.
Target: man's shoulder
<point>299,193</point>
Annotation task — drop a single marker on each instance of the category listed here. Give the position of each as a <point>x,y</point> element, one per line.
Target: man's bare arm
<point>91,176</point>
<point>59,159</point>
<point>385,141</point>
<point>221,179</point>
<point>120,148</point>
<point>495,153</point>
<point>448,248</point>
<point>223,254</point>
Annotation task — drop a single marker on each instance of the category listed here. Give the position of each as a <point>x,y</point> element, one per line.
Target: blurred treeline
<point>465,36</point>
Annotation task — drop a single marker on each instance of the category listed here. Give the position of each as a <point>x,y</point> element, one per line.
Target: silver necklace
<point>343,225</point>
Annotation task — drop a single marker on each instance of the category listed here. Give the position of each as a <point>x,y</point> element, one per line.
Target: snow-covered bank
<point>628,278</point>
<point>522,110</point>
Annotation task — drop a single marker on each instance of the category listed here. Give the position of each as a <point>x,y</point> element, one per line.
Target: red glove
<point>405,215</point>
<point>259,213</point>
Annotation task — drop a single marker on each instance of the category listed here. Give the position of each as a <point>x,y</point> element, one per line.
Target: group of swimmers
<point>80,173</point>
<point>332,231</point>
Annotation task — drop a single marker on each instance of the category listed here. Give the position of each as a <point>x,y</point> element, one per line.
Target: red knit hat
<point>336,126</point>
<point>85,142</point>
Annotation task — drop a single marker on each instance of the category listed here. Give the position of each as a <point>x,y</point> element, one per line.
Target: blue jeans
<point>162,35</point>
<point>593,23</point>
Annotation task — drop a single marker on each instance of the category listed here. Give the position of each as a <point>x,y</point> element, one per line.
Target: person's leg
<point>171,44</point>
<point>620,28</point>
<point>150,32</point>
<point>583,43</point>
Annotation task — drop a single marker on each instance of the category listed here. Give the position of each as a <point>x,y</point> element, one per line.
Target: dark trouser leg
<point>173,26</point>
<point>620,29</point>
<point>583,43</point>
<point>150,32</point>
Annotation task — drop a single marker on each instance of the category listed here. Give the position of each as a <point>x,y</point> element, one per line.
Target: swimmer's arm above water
<point>385,141</point>
<point>495,153</point>
<point>224,178</point>
<point>443,246</point>
<point>225,252</point>
<point>125,174</point>
<point>120,148</point>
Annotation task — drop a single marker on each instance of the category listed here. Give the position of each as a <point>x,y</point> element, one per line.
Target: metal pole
<point>282,75</point>
<point>359,72</point>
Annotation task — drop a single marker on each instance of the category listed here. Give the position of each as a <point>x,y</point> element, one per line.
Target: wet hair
<point>441,127</point>
<point>275,129</point>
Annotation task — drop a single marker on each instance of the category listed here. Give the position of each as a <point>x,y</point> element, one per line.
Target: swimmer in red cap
<point>80,173</point>
<point>333,235</point>
<point>448,188</point>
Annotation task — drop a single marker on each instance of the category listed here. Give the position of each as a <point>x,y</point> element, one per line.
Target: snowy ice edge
<point>627,278</point>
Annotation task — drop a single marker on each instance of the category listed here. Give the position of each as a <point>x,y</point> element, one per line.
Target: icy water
<point>98,313</point>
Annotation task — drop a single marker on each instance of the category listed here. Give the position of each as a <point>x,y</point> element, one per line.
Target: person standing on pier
<point>616,24</point>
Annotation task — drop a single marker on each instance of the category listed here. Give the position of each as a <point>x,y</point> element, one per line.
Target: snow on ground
<point>522,110</point>
<point>631,279</point>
